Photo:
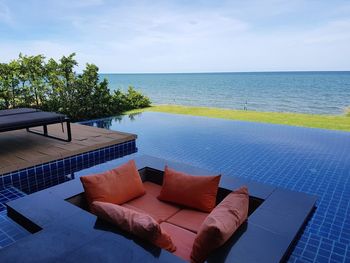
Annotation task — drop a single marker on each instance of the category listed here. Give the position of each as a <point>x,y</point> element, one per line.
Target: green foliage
<point>136,100</point>
<point>132,99</point>
<point>30,81</point>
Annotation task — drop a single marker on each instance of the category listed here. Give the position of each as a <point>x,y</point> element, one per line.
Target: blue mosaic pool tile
<point>307,160</point>
<point>7,181</point>
<point>10,232</point>
<point>42,176</point>
<point>313,161</point>
<point>7,194</point>
<point>46,175</point>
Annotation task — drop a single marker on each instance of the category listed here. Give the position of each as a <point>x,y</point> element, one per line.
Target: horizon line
<point>228,72</point>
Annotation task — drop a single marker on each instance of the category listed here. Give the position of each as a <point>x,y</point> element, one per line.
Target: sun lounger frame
<point>25,112</point>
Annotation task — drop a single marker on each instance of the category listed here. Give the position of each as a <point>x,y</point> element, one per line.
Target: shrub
<point>132,99</point>
<point>136,100</point>
<point>30,81</point>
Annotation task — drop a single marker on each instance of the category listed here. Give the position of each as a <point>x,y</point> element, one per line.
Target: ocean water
<point>304,92</point>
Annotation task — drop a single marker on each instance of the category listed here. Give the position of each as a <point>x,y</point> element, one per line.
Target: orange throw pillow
<point>139,224</point>
<point>220,224</point>
<point>197,192</point>
<point>116,186</point>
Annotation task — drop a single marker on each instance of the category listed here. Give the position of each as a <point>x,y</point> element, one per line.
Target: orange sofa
<point>67,231</point>
<point>182,224</point>
<point>180,216</point>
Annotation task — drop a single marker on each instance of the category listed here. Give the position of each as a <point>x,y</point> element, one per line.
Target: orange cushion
<point>115,186</point>
<point>193,191</point>
<point>182,239</point>
<point>149,203</point>
<point>139,224</point>
<point>188,219</point>
<point>220,224</point>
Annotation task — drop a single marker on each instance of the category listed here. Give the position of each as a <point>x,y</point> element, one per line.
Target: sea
<point>302,92</point>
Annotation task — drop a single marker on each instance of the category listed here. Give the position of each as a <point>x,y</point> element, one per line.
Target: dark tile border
<point>39,177</point>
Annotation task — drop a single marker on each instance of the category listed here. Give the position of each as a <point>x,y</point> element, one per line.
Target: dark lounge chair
<point>25,118</point>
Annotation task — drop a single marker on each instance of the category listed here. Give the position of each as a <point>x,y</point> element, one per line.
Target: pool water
<point>308,160</point>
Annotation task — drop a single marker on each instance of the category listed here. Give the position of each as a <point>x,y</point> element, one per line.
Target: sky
<point>181,36</point>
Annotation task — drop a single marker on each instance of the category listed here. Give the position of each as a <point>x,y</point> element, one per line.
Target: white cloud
<point>164,37</point>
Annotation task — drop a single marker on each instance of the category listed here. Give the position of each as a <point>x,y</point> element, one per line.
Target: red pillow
<point>220,224</point>
<point>139,224</point>
<point>116,186</point>
<point>198,192</point>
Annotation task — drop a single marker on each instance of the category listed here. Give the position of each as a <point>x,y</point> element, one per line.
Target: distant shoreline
<point>227,72</point>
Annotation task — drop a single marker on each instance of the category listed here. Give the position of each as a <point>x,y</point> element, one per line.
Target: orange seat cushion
<point>115,186</point>
<point>182,239</point>
<point>188,219</point>
<point>220,224</point>
<point>197,192</point>
<point>149,203</point>
<point>139,224</point>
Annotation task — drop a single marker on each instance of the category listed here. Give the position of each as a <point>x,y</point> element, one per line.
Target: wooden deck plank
<point>20,149</point>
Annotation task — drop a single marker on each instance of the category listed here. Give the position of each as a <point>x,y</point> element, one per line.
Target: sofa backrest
<point>156,176</point>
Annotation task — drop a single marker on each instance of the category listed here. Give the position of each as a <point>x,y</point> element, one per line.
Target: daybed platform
<point>64,231</point>
<point>26,118</point>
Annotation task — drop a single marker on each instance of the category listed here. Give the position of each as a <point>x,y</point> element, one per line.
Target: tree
<point>55,81</point>
<point>30,81</point>
<point>5,96</point>
<point>35,72</point>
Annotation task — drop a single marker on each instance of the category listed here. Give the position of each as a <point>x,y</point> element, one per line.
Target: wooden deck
<point>20,149</point>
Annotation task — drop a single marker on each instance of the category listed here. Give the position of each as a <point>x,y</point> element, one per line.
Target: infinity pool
<point>313,161</point>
